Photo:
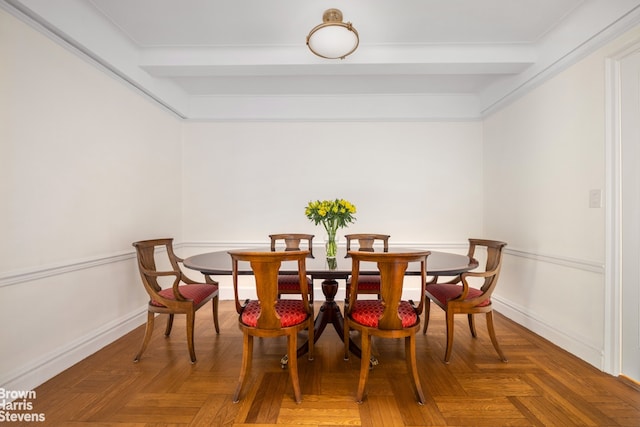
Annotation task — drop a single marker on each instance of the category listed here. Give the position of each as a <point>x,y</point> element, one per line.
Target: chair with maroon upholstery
<point>368,284</point>
<point>386,317</point>
<point>288,283</point>
<point>185,296</point>
<point>459,297</point>
<point>270,316</point>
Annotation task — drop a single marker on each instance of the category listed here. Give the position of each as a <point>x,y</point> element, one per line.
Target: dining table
<point>330,270</point>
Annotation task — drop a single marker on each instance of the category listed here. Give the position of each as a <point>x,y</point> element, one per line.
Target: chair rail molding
<point>15,277</point>
<point>580,264</point>
<point>43,271</point>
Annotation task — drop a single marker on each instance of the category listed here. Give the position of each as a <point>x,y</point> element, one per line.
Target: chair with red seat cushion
<point>270,316</point>
<point>386,317</point>
<point>288,283</point>
<point>369,284</point>
<point>459,297</point>
<point>185,296</point>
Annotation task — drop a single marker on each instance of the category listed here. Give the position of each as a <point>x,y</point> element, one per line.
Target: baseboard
<point>573,344</point>
<point>38,371</point>
<point>630,382</point>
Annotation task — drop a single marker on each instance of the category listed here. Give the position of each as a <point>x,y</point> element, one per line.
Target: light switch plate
<point>595,198</point>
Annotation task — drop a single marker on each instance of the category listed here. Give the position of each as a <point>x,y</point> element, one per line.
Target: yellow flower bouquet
<point>332,214</point>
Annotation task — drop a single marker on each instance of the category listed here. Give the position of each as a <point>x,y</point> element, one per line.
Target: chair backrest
<point>367,240</point>
<point>392,267</point>
<point>493,262</point>
<point>265,266</point>
<point>146,253</point>
<point>292,241</point>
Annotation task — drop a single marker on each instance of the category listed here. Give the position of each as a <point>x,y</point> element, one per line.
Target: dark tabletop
<point>438,263</point>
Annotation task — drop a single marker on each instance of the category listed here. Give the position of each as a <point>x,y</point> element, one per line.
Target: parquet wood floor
<point>541,385</point>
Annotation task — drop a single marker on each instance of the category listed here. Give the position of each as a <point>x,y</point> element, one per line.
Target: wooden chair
<point>185,296</point>
<point>388,316</point>
<point>366,241</point>
<point>459,297</point>
<point>288,283</point>
<point>369,284</point>
<point>270,316</point>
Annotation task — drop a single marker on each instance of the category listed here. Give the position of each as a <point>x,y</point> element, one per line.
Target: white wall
<point>86,167</point>
<point>542,156</point>
<point>418,182</point>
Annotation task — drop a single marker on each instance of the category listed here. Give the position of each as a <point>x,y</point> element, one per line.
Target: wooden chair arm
<point>416,307</point>
<point>176,282</point>
<point>209,280</point>
<point>239,307</point>
<point>176,291</point>
<point>154,273</point>
<point>434,280</point>
<point>423,282</point>
<point>465,284</point>
<point>353,289</point>
<point>186,279</point>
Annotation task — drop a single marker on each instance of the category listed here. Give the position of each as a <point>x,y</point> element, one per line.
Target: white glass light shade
<point>333,38</point>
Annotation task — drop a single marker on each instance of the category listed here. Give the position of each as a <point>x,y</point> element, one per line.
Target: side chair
<point>386,317</point>
<point>269,316</point>
<point>288,283</point>
<point>457,296</point>
<point>368,284</point>
<point>185,296</point>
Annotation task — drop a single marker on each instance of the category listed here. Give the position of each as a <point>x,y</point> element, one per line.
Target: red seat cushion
<point>443,292</point>
<point>290,311</point>
<point>197,293</point>
<point>368,313</point>
<point>368,283</point>
<point>289,282</point>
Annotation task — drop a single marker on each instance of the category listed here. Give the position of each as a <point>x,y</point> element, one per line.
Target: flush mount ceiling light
<point>333,38</point>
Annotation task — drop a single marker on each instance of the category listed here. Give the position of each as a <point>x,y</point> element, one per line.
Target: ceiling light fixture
<point>333,38</point>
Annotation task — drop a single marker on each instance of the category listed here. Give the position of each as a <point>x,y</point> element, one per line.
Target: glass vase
<point>331,244</point>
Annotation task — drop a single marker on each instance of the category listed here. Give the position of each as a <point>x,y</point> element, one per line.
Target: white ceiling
<point>247,59</point>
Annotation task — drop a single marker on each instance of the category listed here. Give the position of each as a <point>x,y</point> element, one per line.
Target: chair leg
<point>292,341</point>
<point>412,366</point>
<point>191,318</point>
<point>427,312</point>
<point>167,330</point>
<point>214,307</point>
<point>247,354</point>
<point>364,365</point>
<point>311,338</point>
<point>492,334</point>
<point>472,325</point>
<point>347,292</point>
<point>447,354</point>
<point>147,335</point>
<point>346,338</point>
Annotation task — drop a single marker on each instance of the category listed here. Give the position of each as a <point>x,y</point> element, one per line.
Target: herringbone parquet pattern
<point>541,385</point>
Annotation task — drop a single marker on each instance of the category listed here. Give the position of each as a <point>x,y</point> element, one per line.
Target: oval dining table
<point>319,267</point>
